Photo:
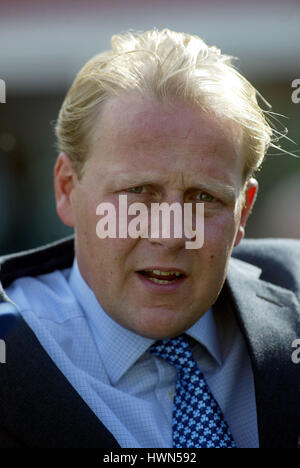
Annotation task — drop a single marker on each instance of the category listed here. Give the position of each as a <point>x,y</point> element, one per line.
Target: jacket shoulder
<point>39,261</point>
<point>279,260</point>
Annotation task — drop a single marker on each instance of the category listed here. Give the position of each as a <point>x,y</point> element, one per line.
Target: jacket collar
<point>268,316</point>
<point>49,412</point>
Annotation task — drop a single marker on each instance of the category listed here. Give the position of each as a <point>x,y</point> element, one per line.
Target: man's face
<point>154,152</point>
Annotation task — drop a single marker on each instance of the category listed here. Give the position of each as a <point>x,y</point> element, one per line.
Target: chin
<point>161,332</point>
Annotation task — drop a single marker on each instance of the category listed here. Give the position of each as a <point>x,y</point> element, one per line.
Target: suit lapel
<point>38,406</point>
<point>268,316</point>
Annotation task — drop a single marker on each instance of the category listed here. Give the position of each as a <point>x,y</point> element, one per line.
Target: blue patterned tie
<point>198,421</point>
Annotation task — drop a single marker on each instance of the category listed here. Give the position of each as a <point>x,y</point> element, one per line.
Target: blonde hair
<point>165,65</point>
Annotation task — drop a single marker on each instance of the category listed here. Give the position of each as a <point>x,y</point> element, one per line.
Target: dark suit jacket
<point>39,408</point>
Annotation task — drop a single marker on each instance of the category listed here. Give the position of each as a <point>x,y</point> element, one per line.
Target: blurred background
<point>43,44</point>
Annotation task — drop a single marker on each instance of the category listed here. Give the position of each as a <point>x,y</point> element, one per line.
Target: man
<point>91,338</point>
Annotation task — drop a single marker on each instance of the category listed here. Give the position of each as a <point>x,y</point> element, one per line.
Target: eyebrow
<point>220,189</point>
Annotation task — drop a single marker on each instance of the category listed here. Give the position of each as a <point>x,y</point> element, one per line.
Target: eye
<point>206,197</point>
<point>137,190</point>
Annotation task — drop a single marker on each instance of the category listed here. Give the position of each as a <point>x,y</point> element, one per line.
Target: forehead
<point>135,132</point>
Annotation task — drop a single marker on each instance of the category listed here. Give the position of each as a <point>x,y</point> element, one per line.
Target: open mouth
<point>162,277</point>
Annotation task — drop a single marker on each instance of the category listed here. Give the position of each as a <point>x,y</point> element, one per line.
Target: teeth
<point>165,273</point>
<point>155,280</point>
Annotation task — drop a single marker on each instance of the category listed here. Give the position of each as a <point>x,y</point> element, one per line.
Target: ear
<point>250,197</point>
<point>64,182</point>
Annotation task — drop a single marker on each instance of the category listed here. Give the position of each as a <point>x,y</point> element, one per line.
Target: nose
<point>169,243</point>
<point>167,223</point>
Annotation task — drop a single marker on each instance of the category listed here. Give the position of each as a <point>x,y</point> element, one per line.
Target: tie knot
<point>175,351</point>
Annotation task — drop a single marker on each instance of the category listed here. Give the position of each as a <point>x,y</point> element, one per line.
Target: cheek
<point>219,230</point>
<point>114,257</point>
<point>85,209</point>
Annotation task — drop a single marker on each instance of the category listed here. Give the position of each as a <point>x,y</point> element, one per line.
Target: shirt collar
<point>206,333</point>
<point>110,337</point>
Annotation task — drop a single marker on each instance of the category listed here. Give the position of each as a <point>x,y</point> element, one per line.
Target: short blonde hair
<point>165,65</point>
